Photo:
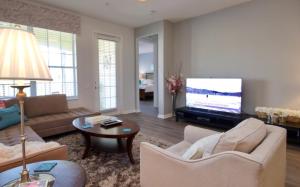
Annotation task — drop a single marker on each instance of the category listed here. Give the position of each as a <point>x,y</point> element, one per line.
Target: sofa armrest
<point>56,153</point>
<point>160,168</point>
<point>192,134</point>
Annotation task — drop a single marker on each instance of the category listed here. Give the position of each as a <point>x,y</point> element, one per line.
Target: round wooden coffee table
<point>66,173</point>
<point>126,130</point>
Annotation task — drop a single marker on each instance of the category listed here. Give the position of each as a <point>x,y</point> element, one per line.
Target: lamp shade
<point>20,57</point>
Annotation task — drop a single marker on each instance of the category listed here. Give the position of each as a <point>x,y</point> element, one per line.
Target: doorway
<point>148,74</point>
<point>107,73</point>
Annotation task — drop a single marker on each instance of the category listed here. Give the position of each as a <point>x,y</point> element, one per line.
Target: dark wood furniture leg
<point>87,139</point>
<point>120,144</point>
<point>129,148</point>
<point>142,94</point>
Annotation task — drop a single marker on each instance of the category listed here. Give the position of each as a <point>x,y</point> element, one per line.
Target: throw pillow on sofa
<point>9,116</point>
<point>202,147</point>
<point>244,137</point>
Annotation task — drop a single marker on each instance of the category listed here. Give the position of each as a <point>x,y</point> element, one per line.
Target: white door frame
<point>137,95</point>
<point>118,40</point>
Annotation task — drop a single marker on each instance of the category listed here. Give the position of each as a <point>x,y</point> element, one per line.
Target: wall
<point>146,62</point>
<point>87,64</point>
<point>155,55</point>
<point>164,30</point>
<point>150,30</point>
<point>170,67</point>
<point>258,41</point>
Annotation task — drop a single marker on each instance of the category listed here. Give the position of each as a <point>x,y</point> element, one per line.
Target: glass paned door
<point>107,52</point>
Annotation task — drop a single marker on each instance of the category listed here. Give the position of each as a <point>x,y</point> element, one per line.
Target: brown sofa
<point>10,136</point>
<point>46,116</point>
<point>50,115</point>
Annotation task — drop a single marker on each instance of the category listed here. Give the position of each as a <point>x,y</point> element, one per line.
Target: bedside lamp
<point>21,59</point>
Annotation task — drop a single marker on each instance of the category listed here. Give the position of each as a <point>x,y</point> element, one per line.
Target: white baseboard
<point>164,116</point>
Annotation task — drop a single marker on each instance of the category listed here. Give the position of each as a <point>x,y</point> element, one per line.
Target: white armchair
<point>264,167</point>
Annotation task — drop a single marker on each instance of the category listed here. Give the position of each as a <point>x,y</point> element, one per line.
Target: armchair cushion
<point>180,148</point>
<point>244,137</point>
<point>205,145</point>
<point>192,133</point>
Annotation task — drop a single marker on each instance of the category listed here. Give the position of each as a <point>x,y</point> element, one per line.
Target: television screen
<point>223,95</point>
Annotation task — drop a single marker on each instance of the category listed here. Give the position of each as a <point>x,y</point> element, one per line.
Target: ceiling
<point>134,13</point>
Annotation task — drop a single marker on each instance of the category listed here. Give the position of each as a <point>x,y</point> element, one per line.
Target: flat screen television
<point>224,95</point>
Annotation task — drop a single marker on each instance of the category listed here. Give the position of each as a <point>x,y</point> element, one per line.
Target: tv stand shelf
<point>209,118</point>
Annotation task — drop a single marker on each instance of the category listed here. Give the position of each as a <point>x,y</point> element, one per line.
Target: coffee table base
<point>129,148</point>
<point>87,139</point>
<point>129,142</point>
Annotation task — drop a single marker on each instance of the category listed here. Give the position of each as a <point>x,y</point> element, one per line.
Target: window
<point>7,91</point>
<point>58,49</point>
<point>107,74</point>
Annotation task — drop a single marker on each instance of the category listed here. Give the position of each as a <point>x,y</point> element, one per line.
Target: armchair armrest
<point>192,134</point>
<point>160,168</point>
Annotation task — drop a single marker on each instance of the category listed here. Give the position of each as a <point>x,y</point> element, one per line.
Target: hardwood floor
<point>147,108</point>
<point>293,166</point>
<point>172,131</point>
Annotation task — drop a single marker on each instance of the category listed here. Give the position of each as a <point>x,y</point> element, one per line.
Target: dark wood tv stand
<point>215,119</point>
<point>226,121</point>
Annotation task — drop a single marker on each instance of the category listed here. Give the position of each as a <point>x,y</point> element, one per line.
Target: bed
<point>146,87</point>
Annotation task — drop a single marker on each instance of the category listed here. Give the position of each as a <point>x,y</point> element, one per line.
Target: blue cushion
<point>9,116</point>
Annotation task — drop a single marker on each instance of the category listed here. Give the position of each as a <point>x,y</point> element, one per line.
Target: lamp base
<point>21,97</point>
<point>39,176</point>
<point>25,177</point>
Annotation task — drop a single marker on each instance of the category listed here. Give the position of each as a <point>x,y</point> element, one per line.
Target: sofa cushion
<point>44,105</point>
<point>244,137</point>
<point>15,151</point>
<point>11,135</point>
<point>9,116</point>
<point>57,123</point>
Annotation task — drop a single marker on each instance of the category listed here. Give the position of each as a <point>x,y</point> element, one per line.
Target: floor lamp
<point>21,59</point>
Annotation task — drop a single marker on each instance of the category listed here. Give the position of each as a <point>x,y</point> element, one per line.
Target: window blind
<point>58,49</point>
<point>107,74</point>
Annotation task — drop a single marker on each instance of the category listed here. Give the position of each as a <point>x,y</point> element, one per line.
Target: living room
<point>90,72</point>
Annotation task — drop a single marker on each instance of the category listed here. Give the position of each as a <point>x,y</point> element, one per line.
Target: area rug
<point>108,169</point>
